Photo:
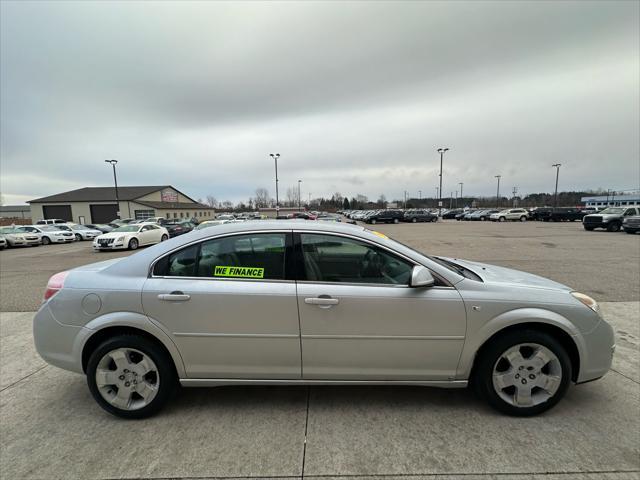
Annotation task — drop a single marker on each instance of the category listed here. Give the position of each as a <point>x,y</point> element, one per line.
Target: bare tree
<point>262,197</point>
<point>292,196</point>
<point>211,201</point>
<point>227,205</point>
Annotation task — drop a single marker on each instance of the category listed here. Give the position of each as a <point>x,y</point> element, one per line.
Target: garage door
<point>57,211</point>
<point>103,213</point>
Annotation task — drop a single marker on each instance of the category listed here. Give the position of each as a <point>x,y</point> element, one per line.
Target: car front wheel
<point>502,219</point>
<point>131,376</point>
<point>373,221</point>
<point>395,220</point>
<point>133,244</point>
<point>78,237</point>
<point>414,219</point>
<point>523,373</point>
<point>613,227</point>
<point>46,241</point>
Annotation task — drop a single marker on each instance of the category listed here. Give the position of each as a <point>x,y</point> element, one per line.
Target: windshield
<point>127,228</point>
<point>612,210</point>
<point>9,230</point>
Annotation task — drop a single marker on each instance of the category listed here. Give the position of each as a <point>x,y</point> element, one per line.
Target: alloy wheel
<point>527,374</point>
<point>127,378</point>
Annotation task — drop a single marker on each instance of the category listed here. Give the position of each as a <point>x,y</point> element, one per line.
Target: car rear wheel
<point>133,244</point>
<point>613,227</point>
<point>523,373</point>
<point>588,228</point>
<point>164,238</point>
<point>414,219</point>
<point>373,221</point>
<point>523,218</point>
<point>131,376</point>
<point>395,220</point>
<point>502,219</point>
<point>46,241</point>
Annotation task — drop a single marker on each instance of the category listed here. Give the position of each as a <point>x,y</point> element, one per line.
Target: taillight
<point>54,285</point>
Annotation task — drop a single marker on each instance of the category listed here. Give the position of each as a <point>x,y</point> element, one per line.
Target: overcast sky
<point>356,97</point>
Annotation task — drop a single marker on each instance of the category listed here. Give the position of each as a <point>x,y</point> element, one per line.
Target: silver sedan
<point>299,302</point>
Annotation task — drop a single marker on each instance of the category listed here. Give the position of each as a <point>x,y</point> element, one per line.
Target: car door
<point>360,320</point>
<point>230,306</point>
<point>146,235</point>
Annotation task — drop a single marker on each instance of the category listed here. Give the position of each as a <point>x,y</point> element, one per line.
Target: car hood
<point>115,234</point>
<point>508,276</point>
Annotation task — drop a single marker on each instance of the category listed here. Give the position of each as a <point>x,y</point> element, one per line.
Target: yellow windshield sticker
<point>238,272</point>
<point>381,235</point>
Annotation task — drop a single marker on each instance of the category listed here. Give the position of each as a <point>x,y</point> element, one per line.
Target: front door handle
<point>176,296</point>
<point>322,301</point>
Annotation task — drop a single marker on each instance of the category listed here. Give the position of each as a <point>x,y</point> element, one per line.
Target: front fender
<point>131,320</point>
<point>519,316</point>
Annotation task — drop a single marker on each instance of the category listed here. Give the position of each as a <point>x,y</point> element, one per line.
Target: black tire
<point>78,237</point>
<point>489,355</point>
<point>589,229</point>
<point>613,227</point>
<point>168,379</point>
<point>414,219</point>
<point>46,240</point>
<point>395,220</point>
<point>133,244</point>
<point>434,219</point>
<point>164,238</point>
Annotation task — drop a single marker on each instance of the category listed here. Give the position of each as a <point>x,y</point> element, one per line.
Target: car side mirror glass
<point>421,277</point>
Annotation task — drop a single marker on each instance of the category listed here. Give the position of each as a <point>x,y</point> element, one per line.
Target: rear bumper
<point>59,345</point>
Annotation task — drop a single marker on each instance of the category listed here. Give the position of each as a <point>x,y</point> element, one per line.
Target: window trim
<point>288,256</point>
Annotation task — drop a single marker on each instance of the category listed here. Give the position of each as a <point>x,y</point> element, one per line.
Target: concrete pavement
<point>50,427</point>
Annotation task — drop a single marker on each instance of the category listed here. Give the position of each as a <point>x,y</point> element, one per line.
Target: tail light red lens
<point>54,285</point>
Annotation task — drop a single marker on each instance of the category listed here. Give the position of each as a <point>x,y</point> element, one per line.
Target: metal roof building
<point>98,205</point>
<point>612,200</point>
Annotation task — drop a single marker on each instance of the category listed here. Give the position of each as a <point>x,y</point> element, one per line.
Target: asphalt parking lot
<point>50,427</point>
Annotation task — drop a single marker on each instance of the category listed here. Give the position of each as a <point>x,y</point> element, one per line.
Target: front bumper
<point>111,246</point>
<point>598,352</point>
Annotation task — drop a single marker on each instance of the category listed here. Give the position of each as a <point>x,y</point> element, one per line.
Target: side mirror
<point>421,277</point>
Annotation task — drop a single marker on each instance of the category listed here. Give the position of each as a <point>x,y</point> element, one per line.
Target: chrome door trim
<point>219,382</point>
<point>236,335</point>
<point>387,337</point>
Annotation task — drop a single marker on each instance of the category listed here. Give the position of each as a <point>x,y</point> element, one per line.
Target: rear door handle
<point>322,301</point>
<point>176,296</point>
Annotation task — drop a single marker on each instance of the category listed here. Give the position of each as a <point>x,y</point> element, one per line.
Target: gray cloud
<point>354,95</point>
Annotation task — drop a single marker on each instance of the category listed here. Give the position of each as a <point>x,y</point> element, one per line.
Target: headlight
<point>587,300</point>
<point>120,239</point>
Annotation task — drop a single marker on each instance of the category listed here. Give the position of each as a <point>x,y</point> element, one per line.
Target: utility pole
<point>451,201</point>
<point>441,151</point>
<point>299,201</point>
<point>461,184</point>
<point>420,195</point>
<point>405,199</point>
<point>275,158</point>
<point>115,181</point>
<point>555,201</point>
<point>498,192</point>
<point>515,200</point>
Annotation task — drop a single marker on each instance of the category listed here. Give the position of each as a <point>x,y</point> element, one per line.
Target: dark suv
<point>419,216</point>
<point>385,216</point>
<point>560,214</point>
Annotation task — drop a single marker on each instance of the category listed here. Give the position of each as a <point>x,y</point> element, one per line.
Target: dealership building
<point>98,205</point>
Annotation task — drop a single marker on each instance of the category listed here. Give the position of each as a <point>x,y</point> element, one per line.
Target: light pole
<point>437,193</point>
<point>555,200</point>
<point>441,151</point>
<point>405,199</point>
<point>498,192</point>
<point>299,201</point>
<point>115,181</point>
<point>461,184</point>
<point>456,199</point>
<point>275,158</point>
<point>420,196</point>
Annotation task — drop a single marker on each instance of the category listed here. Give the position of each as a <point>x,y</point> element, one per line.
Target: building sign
<point>168,195</point>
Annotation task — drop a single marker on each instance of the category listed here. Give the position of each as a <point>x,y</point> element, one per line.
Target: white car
<point>131,237</point>
<point>3,242</point>
<point>18,238</point>
<point>49,233</point>
<point>82,232</point>
<point>513,214</point>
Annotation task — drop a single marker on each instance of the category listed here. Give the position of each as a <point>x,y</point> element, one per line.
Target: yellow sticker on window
<point>238,272</point>
<point>381,235</point>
